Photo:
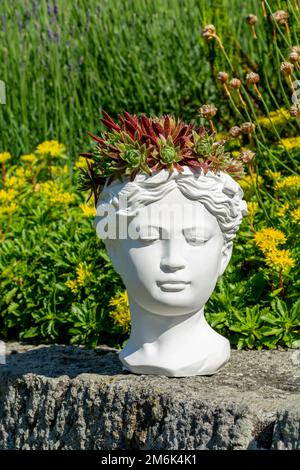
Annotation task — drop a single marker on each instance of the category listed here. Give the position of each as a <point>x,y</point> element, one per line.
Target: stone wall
<point>70,397</point>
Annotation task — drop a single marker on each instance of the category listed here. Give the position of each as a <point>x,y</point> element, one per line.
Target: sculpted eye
<point>196,240</point>
<point>196,237</point>
<point>148,240</point>
<point>149,236</point>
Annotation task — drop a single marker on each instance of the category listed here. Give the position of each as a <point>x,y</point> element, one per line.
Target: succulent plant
<point>144,144</point>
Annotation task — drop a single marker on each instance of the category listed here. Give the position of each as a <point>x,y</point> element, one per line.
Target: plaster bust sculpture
<point>169,235</point>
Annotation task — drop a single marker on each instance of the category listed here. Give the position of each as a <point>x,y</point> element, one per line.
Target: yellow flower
<point>275,175</point>
<point>30,158</point>
<point>283,209</point>
<point>50,187</point>
<point>290,143</point>
<point>14,182</point>
<point>72,284</point>
<point>4,157</point>
<point>83,273</point>
<point>51,147</point>
<point>252,208</point>
<point>277,117</point>
<point>81,163</point>
<point>23,172</point>
<point>235,153</point>
<point>121,313</point>
<point>247,180</point>
<point>248,184</point>
<point>268,239</point>
<point>289,182</point>
<point>55,194</point>
<point>62,198</point>
<point>8,209</point>
<point>88,211</point>
<point>296,215</point>
<point>281,260</point>
<point>7,196</point>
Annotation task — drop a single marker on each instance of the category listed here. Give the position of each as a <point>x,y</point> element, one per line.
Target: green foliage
<point>41,249</point>
<point>60,70</point>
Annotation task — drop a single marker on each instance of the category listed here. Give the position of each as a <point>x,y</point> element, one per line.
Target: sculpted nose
<point>172,259</point>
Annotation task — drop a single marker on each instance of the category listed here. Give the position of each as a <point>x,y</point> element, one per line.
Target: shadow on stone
<point>57,360</point>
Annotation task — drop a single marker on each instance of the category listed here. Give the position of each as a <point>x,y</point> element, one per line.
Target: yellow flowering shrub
<point>50,147</point>
<point>88,210</point>
<point>289,182</point>
<point>280,260</point>
<point>29,158</point>
<point>275,175</point>
<point>282,210</point>
<point>4,157</point>
<point>290,143</point>
<point>121,313</point>
<point>73,285</point>
<point>55,193</point>
<point>81,163</point>
<point>83,273</point>
<point>248,183</point>
<point>7,195</point>
<point>278,117</point>
<point>8,208</point>
<point>295,214</point>
<point>268,238</point>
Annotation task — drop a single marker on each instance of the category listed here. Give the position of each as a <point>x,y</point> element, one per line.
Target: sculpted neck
<point>149,327</point>
<point>178,345</point>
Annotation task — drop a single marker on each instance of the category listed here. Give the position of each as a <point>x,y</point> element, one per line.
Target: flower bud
<point>294,57</point>
<point>208,111</point>
<point>235,83</point>
<point>252,78</point>
<point>286,68</point>
<point>295,110</point>
<point>296,49</point>
<point>280,17</point>
<point>247,127</point>
<point>246,156</point>
<point>251,19</point>
<point>222,77</point>
<point>235,131</point>
<point>208,32</point>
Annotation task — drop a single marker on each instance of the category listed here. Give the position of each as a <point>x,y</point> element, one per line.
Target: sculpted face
<point>173,265</point>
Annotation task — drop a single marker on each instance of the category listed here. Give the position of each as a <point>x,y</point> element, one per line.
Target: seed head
<point>295,110</point>
<point>235,131</point>
<point>252,78</point>
<point>251,19</point>
<point>296,49</point>
<point>246,156</point>
<point>247,127</point>
<point>294,57</point>
<point>223,77</point>
<point>235,83</point>
<point>280,17</point>
<point>208,111</point>
<point>208,32</point>
<point>286,68</point>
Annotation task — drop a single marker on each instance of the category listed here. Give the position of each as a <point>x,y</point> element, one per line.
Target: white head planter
<point>169,236</point>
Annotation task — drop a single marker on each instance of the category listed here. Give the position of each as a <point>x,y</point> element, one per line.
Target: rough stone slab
<point>71,397</point>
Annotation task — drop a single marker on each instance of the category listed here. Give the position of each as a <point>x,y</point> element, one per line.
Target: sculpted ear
<point>226,253</point>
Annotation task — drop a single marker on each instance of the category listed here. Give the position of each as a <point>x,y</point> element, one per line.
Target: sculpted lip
<point>172,286</point>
